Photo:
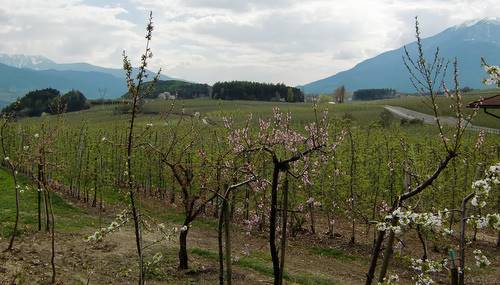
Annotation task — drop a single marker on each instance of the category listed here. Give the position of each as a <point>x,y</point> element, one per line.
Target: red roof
<point>492,102</point>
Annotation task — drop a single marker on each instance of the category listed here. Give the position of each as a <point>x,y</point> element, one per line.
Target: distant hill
<point>468,42</point>
<point>15,82</point>
<point>182,89</point>
<point>20,74</point>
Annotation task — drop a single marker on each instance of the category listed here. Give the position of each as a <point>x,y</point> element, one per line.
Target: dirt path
<point>113,261</point>
<point>428,119</point>
<point>311,259</point>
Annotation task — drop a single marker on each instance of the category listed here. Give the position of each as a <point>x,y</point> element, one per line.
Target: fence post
<point>453,268</point>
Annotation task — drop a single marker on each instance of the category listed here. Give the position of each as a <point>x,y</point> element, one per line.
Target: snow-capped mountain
<point>38,62</point>
<point>468,42</point>
<point>16,82</point>
<point>35,62</point>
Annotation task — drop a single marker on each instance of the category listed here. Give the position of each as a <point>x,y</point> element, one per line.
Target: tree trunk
<point>311,217</point>
<point>351,190</point>
<point>422,241</point>
<point>16,222</point>
<point>284,227</point>
<point>39,190</point>
<point>376,248</point>
<point>373,263</point>
<point>52,238</point>
<point>227,233</point>
<point>463,222</point>
<point>94,200</point>
<point>272,225</point>
<point>219,240</point>
<point>47,216</point>
<point>387,257</point>
<point>172,191</point>
<point>183,255</point>
<point>138,238</point>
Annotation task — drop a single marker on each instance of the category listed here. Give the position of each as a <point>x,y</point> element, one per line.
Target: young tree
<point>135,88</point>
<point>225,224</point>
<point>194,170</point>
<point>4,128</point>
<point>426,77</point>
<point>40,149</point>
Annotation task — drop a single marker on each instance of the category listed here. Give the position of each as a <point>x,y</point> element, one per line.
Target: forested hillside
<point>176,88</point>
<point>49,100</point>
<point>246,90</point>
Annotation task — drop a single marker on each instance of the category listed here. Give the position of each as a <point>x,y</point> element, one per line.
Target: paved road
<point>428,119</point>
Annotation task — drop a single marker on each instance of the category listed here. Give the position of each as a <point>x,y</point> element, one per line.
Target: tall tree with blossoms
<point>291,153</point>
<point>427,78</point>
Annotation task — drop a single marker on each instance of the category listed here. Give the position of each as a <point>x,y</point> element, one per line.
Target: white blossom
<point>390,280</point>
<point>481,259</point>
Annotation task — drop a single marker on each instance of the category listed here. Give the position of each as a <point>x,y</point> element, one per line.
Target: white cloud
<point>66,30</point>
<point>289,41</point>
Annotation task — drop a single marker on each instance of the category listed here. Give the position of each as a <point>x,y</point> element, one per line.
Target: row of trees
<point>179,89</point>
<point>246,90</point>
<point>373,94</point>
<point>48,100</point>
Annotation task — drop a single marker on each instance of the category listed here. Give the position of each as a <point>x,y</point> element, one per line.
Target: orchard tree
<point>12,166</point>
<point>427,78</point>
<point>290,153</point>
<point>137,92</point>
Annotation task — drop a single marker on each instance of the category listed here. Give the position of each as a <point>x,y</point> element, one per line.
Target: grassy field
<point>69,217</point>
<point>362,112</point>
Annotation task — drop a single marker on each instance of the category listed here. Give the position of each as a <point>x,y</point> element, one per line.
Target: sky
<point>289,41</point>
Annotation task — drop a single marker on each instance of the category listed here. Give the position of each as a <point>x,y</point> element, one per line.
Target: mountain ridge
<point>15,82</point>
<point>468,42</point>
<point>20,74</point>
<point>40,62</point>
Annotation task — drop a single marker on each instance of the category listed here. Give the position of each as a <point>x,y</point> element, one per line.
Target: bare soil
<point>114,261</point>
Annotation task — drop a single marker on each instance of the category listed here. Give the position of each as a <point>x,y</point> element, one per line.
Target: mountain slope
<point>37,62</point>
<point>468,42</point>
<point>15,82</point>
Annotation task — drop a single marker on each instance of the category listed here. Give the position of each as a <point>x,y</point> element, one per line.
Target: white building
<point>166,95</point>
